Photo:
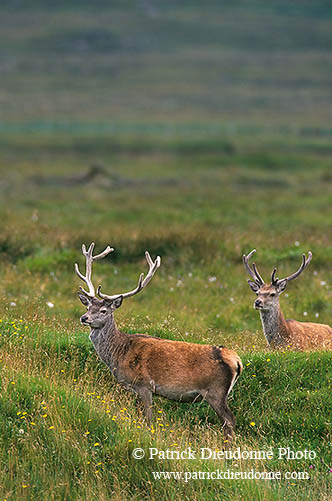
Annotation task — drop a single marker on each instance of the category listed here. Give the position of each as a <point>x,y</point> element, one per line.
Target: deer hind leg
<point>218,401</point>
<point>145,397</point>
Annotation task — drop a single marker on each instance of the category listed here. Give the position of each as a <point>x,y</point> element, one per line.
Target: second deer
<point>181,371</point>
<point>279,332</point>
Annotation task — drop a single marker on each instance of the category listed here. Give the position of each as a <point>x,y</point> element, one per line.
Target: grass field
<point>214,138</point>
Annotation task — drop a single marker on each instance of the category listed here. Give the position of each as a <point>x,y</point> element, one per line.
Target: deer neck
<point>275,327</point>
<point>109,344</point>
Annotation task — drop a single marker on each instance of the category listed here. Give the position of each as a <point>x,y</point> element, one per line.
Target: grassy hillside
<point>210,130</point>
<point>68,431</point>
<point>199,205</point>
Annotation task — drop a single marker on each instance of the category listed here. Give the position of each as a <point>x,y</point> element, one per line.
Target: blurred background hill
<point>130,64</point>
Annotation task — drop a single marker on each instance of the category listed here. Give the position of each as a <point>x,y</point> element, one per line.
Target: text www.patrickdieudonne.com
<point>187,476</point>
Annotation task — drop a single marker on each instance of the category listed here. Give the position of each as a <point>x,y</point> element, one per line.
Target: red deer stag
<point>181,371</point>
<point>279,332</point>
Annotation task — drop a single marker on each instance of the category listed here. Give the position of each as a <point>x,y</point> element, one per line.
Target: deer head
<point>100,311</point>
<point>268,294</point>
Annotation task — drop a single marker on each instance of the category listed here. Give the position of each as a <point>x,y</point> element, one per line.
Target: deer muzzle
<point>258,304</point>
<point>85,320</point>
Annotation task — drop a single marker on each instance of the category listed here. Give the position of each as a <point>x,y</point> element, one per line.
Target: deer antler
<point>89,258</point>
<point>142,282</point>
<point>252,272</point>
<point>304,264</point>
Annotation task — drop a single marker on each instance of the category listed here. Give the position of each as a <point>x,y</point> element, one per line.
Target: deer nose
<point>84,319</point>
<point>258,303</point>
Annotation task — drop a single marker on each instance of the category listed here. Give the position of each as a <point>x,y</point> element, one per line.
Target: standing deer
<point>279,332</point>
<point>181,371</point>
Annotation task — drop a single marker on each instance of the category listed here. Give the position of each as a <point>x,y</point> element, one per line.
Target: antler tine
<point>252,272</point>
<point>304,264</point>
<point>104,253</point>
<point>89,258</point>
<point>153,266</point>
<point>259,278</point>
<point>142,282</point>
<point>274,280</point>
<point>245,260</point>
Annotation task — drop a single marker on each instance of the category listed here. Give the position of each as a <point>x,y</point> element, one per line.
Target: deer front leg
<point>145,395</point>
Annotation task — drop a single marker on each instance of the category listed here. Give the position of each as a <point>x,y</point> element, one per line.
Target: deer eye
<point>272,294</point>
<point>103,311</point>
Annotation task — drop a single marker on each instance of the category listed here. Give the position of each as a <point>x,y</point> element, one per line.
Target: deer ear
<point>84,299</point>
<point>253,286</point>
<point>117,302</point>
<point>282,285</point>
